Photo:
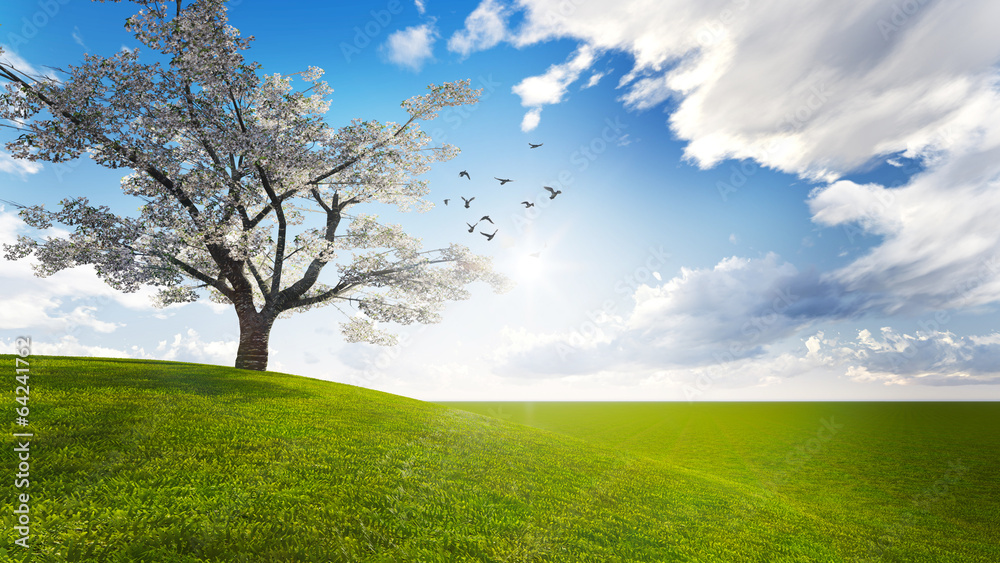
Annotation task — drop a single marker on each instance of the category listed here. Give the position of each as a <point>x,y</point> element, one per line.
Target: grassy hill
<point>160,461</point>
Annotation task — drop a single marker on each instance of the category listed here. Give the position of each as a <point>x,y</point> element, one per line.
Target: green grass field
<point>918,480</point>
<point>160,461</point>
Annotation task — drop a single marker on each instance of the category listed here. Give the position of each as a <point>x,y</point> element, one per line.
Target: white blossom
<point>246,191</point>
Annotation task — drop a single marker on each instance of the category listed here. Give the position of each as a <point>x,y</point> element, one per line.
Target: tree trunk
<point>255,330</point>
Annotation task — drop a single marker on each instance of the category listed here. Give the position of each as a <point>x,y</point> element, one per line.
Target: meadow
<point>160,461</point>
<point>917,480</point>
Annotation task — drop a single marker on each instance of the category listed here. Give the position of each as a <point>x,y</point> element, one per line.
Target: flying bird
<point>472,227</point>
<point>502,180</point>
<point>533,145</point>
<point>468,201</point>
<point>464,173</point>
<point>489,237</point>
<point>553,192</point>
<point>446,201</point>
<point>486,218</point>
<point>528,204</point>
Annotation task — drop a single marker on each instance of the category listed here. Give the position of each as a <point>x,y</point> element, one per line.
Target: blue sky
<point>783,201</point>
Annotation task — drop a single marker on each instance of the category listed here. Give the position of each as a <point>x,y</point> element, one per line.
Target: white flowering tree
<point>246,191</point>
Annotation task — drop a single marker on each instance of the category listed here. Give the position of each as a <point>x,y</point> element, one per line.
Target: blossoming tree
<point>247,192</point>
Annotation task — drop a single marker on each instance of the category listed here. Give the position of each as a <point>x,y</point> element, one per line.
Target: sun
<point>528,268</point>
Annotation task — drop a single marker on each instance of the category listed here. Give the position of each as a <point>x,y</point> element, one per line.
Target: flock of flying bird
<point>472,227</point>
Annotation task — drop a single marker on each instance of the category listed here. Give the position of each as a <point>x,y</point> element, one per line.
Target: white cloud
<point>18,166</point>
<point>484,27</point>
<point>730,325</point>
<point>940,247</point>
<point>925,358</point>
<point>870,205</point>
<point>933,358</point>
<point>32,310</point>
<point>720,315</point>
<point>189,347</point>
<point>594,79</point>
<point>62,303</point>
<point>531,119</point>
<point>216,308</point>
<point>848,90</point>
<point>421,8</point>
<point>549,88</point>
<point>78,38</point>
<point>65,311</point>
<point>11,58</point>
<point>68,345</point>
<point>730,311</point>
<point>411,47</point>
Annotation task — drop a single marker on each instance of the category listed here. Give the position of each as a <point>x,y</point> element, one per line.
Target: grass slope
<point>898,481</point>
<point>159,461</point>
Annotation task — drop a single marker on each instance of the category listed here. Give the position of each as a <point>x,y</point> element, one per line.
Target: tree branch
<point>201,276</point>
<point>267,209</point>
<point>364,153</point>
<point>279,251</point>
<point>257,277</point>
<point>308,279</point>
<point>328,294</point>
<point>344,286</point>
<point>130,154</point>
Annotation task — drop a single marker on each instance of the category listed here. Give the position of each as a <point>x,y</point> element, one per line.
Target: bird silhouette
<point>502,180</point>
<point>464,173</point>
<point>472,227</point>
<point>528,204</point>
<point>488,236</point>
<point>446,201</point>
<point>486,218</point>
<point>468,201</point>
<point>553,192</point>
<point>533,145</point>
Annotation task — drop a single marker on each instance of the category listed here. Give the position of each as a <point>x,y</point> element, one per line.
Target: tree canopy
<point>247,192</point>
